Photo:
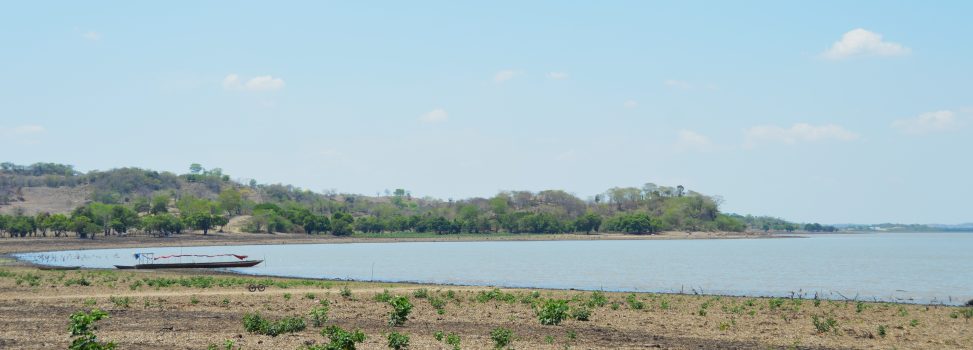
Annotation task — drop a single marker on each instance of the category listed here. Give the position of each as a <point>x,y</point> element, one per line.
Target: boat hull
<point>204,265</point>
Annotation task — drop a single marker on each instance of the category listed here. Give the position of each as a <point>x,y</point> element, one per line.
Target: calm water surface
<point>911,267</point>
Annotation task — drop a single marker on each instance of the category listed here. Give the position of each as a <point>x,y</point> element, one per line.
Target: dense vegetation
<point>131,200</point>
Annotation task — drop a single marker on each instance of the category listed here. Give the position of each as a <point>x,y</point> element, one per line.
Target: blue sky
<point>829,111</point>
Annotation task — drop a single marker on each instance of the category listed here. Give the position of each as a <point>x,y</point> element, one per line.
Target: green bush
<point>254,323</point>
<point>120,301</point>
<point>345,292</point>
<point>634,303</point>
<point>319,314</point>
<point>439,335</point>
<point>597,299</point>
<point>775,303</point>
<point>580,313</point>
<point>383,297</point>
<point>495,294</point>
<point>882,332</point>
<point>82,328</point>
<point>454,340</point>
<point>438,304</point>
<point>340,339</point>
<point>398,341</point>
<point>501,337</point>
<point>421,293</point>
<point>553,312</point>
<point>823,326</point>
<point>401,308</point>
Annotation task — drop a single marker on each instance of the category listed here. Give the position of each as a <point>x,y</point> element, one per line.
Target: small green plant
<point>597,299</point>
<point>135,285</point>
<point>581,313</point>
<point>724,326</point>
<point>310,296</point>
<point>882,332</point>
<point>401,308</point>
<point>501,337</point>
<point>914,323</point>
<point>287,296</point>
<point>775,303</point>
<point>903,312</point>
<point>82,328</point>
<point>319,314</point>
<point>437,304</point>
<point>227,345</point>
<point>553,312</point>
<point>439,335</point>
<point>572,335</point>
<point>120,301</point>
<point>615,305</point>
<point>345,292</point>
<point>634,303</point>
<point>398,341</point>
<point>226,301</point>
<point>193,300</point>
<point>254,323</point>
<point>664,304</point>
<point>701,312</point>
<point>89,302</point>
<point>860,306</point>
<point>826,325</point>
<point>383,297</point>
<point>340,339</point>
<point>968,313</point>
<point>817,302</point>
<point>549,339</point>
<point>420,293</point>
<point>454,340</point>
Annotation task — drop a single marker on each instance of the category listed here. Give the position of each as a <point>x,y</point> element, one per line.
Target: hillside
<point>127,200</point>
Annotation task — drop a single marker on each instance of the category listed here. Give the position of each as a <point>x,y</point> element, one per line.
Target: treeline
<point>132,200</point>
<point>767,223</point>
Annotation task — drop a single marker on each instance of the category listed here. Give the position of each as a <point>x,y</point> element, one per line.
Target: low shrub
<point>120,301</point>
<point>495,294</point>
<point>340,339</point>
<point>826,325</point>
<point>398,341</point>
<point>401,308</point>
<point>254,323</point>
<point>319,314</point>
<point>420,293</point>
<point>383,297</point>
<point>597,299</point>
<point>82,328</point>
<point>501,337</point>
<point>634,303</point>
<point>580,313</point>
<point>553,312</point>
<point>345,292</point>
<point>454,340</point>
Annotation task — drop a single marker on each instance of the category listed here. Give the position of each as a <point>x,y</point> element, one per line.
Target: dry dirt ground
<point>47,199</point>
<point>35,305</point>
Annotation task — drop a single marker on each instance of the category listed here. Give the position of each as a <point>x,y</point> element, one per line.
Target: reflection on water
<point>909,267</point>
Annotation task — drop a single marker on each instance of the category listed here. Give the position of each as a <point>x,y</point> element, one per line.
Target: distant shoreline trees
<point>131,200</point>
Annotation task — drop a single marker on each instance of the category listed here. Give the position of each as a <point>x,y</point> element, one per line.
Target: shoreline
<point>28,245</point>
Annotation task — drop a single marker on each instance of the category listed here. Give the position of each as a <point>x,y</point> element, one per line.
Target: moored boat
<point>193,265</point>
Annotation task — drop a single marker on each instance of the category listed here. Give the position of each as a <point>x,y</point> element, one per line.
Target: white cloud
<point>557,75</point>
<point>929,122</point>
<point>679,84</point>
<point>800,132</point>
<point>861,42</point>
<point>630,104</point>
<point>437,115</point>
<point>28,130</point>
<point>91,35</point>
<point>693,141</point>
<point>261,83</point>
<point>504,75</point>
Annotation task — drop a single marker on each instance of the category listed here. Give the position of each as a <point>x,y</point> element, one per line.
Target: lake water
<point>907,267</point>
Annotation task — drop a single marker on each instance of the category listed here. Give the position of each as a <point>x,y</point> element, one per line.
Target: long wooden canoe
<point>197,265</point>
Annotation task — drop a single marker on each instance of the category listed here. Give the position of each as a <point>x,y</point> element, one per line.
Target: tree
<point>201,221</point>
<point>341,224</point>
<point>588,222</point>
<point>160,204</point>
<point>195,168</point>
<point>231,201</point>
